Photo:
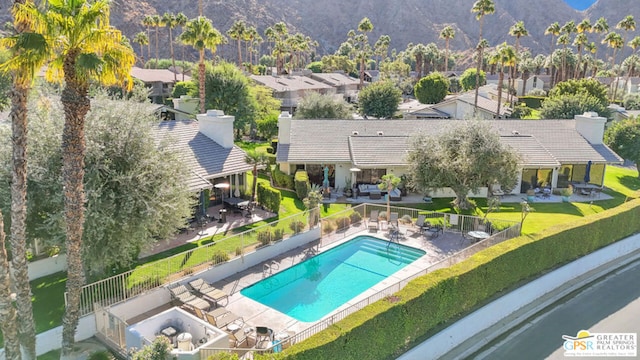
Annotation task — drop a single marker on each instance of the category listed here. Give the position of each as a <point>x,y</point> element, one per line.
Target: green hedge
<point>269,197</point>
<point>281,179</point>
<point>301,183</point>
<point>534,102</point>
<point>390,326</point>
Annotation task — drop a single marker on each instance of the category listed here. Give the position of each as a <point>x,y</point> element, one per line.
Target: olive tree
<point>464,156</point>
<point>323,106</point>
<point>624,138</point>
<point>135,186</point>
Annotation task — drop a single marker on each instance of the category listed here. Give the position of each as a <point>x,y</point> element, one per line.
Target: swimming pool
<point>315,287</point>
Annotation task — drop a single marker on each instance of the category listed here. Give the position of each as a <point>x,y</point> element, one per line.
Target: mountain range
<point>407,21</point>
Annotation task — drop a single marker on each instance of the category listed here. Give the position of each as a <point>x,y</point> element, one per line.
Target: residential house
<point>371,76</point>
<point>159,81</point>
<point>206,147</point>
<point>461,106</point>
<point>553,152</point>
<point>345,85</point>
<point>291,89</point>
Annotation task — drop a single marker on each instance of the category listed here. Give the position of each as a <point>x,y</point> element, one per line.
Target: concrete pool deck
<point>256,314</point>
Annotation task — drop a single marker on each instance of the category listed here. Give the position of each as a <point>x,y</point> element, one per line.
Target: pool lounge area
<point>427,252</point>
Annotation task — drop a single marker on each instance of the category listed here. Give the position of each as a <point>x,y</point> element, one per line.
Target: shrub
<point>343,222</point>
<point>264,236</point>
<point>468,79</point>
<point>281,179</point>
<point>536,92</point>
<point>432,88</point>
<point>278,234</point>
<point>219,256</point>
<point>355,217</point>
<point>269,197</point>
<point>270,150</point>
<point>238,250</point>
<point>406,219</point>
<point>296,226</point>
<point>101,355</point>
<point>534,102</point>
<point>328,227</point>
<point>301,183</point>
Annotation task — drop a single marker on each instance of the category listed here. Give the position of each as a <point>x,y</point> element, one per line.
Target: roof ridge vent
<point>515,132</point>
<point>355,133</point>
<point>380,133</point>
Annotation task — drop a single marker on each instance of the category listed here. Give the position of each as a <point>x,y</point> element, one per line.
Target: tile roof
<point>335,79</point>
<point>320,141</point>
<point>204,157</point>
<point>289,83</point>
<point>156,75</point>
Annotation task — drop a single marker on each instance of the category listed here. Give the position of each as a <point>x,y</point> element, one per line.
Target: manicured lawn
<point>535,115</point>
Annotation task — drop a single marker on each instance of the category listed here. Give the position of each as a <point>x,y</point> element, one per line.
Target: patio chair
<point>222,318</point>
<point>373,220</point>
<point>393,219</point>
<point>395,195</point>
<point>182,295</point>
<point>208,291</point>
<point>420,224</point>
<point>240,336</point>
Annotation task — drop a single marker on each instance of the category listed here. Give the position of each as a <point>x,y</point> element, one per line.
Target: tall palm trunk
<point>25,325</point>
<point>18,240</point>
<point>157,57</point>
<point>239,53</point>
<point>500,82</point>
<point>478,68</point>
<point>76,104</point>
<point>446,59</point>
<point>173,58</point>
<point>201,74</point>
<point>8,322</point>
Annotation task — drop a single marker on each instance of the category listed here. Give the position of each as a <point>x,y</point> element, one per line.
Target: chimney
<point>187,104</point>
<point>284,128</point>
<point>217,126</point>
<point>591,127</point>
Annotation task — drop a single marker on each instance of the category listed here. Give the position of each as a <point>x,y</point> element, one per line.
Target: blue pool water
<point>315,287</point>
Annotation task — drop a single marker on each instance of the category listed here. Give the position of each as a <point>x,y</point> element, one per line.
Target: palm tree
<point>237,32</point>
<point>580,41</point>
<point>141,39</point>
<point>389,183</point>
<point>504,55</point>
<point>419,52</point>
<point>517,30</point>
<point>632,60</point>
<point>29,53</point>
<point>615,42</point>
<point>280,45</point>
<point>169,20</point>
<point>201,34</point>
<point>591,48</point>
<point>88,50</point>
<point>181,20</point>
<point>481,8</point>
<point>600,27</point>
<point>365,26</point>
<point>567,29</point>
<point>627,24</point>
<point>156,22</point>
<point>553,30</point>
<point>381,47</point>
<point>447,34</point>
<point>255,159</point>
<point>147,21</point>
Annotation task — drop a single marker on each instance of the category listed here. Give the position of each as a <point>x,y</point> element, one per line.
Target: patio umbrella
<point>587,175</point>
<point>325,181</point>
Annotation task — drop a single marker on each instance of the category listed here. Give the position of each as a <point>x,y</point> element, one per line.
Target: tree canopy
<point>624,138</point>
<point>432,88</point>
<point>575,97</point>
<point>379,100</point>
<point>135,190</point>
<point>323,106</point>
<point>464,156</point>
<point>468,79</point>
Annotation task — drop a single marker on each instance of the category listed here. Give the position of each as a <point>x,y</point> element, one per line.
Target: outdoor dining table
<point>478,235</point>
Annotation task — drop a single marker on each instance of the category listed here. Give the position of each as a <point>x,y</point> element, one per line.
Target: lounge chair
<point>373,220</point>
<point>208,291</point>
<point>222,317</point>
<point>182,295</point>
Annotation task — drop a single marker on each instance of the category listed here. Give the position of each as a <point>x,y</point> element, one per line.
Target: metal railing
<point>147,277</point>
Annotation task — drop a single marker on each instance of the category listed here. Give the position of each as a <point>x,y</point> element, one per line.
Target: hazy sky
<point>580,4</point>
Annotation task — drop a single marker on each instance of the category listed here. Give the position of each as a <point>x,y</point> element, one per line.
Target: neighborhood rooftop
<point>385,142</point>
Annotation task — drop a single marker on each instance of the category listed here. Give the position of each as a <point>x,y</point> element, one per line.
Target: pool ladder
<point>269,267</point>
